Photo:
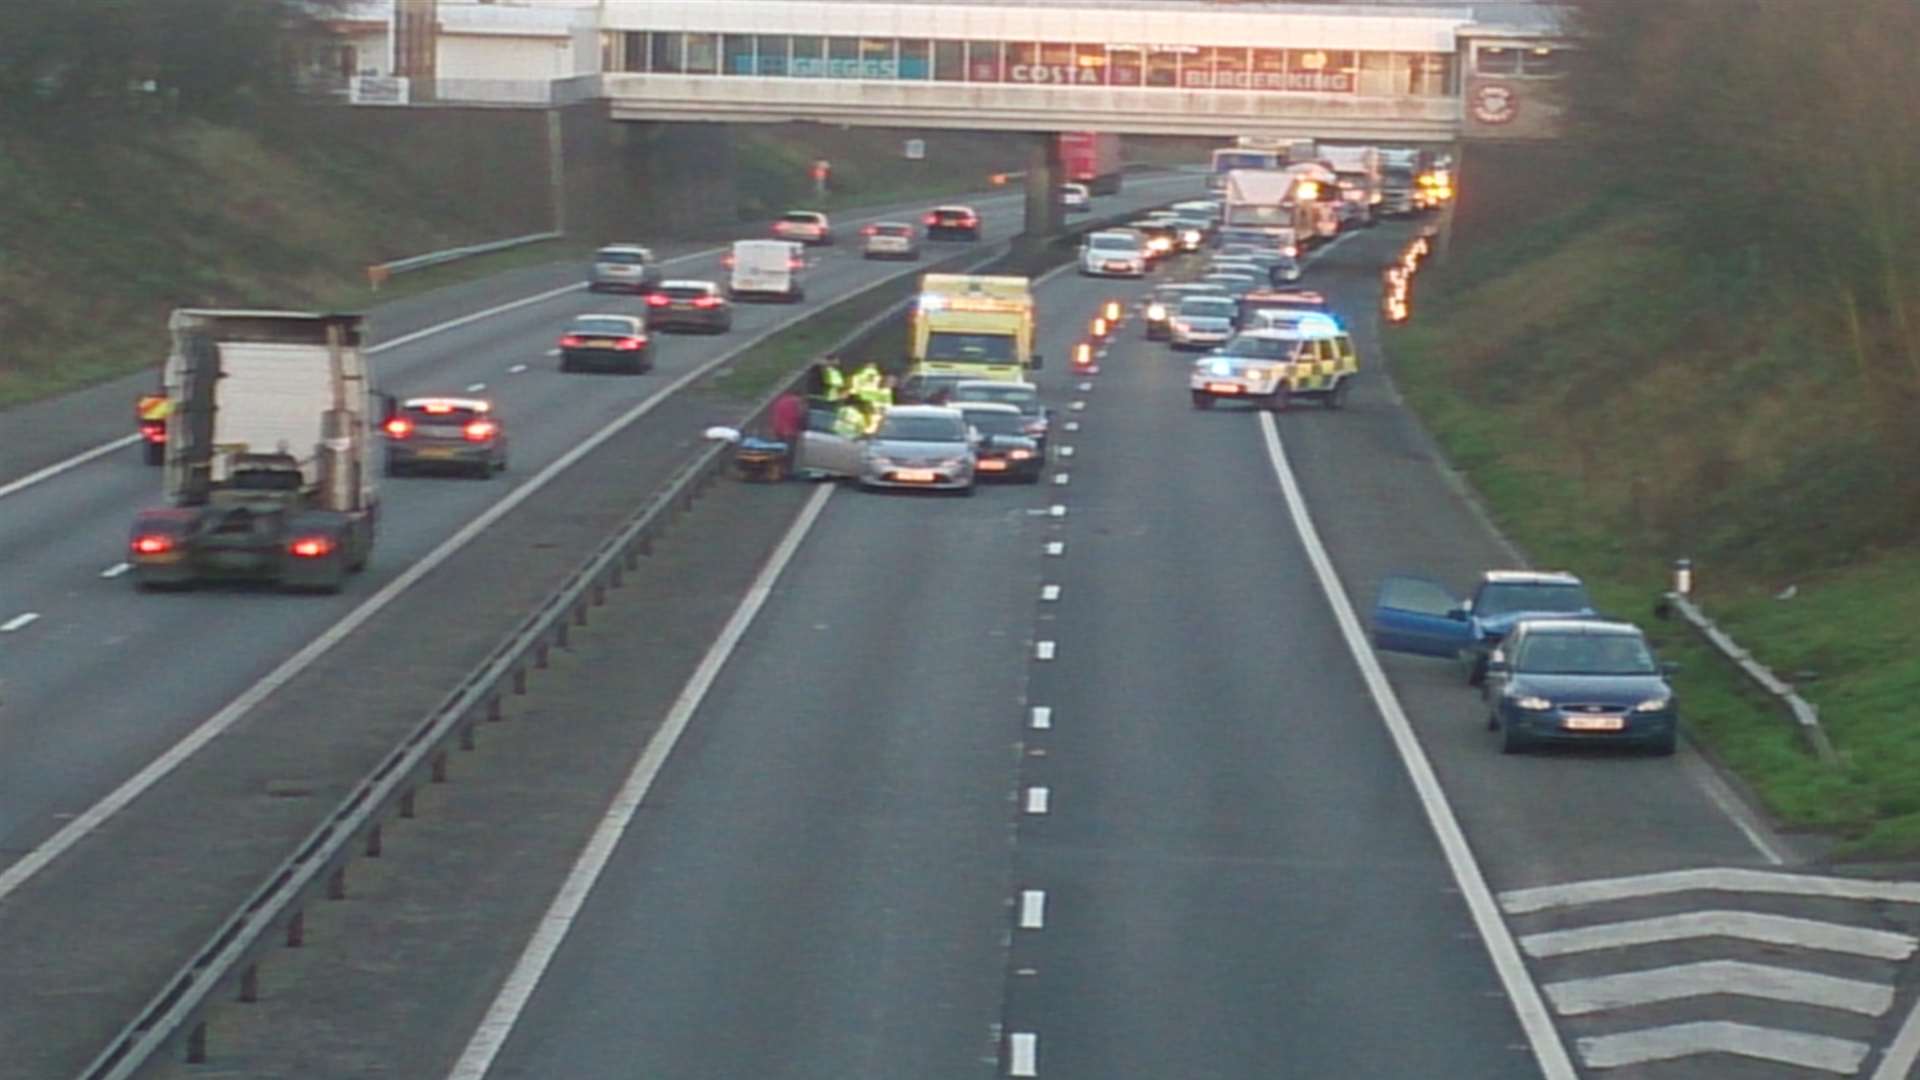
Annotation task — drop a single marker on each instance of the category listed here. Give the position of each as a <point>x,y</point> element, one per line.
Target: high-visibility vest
<point>866,381</point>
<point>882,399</point>
<point>849,422</point>
<point>155,408</point>
<point>835,382</point>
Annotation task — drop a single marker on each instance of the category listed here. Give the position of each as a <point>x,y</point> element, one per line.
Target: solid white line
<point>1728,879</point>
<point>1897,1062</point>
<point>1040,718</point>
<point>1066,451</point>
<point>19,622</point>
<point>534,960</point>
<point>1577,997</point>
<point>1038,800</point>
<point>211,728</point>
<point>75,461</point>
<point>1808,1051</point>
<point>1033,909</point>
<point>1784,930</point>
<point>1043,650</point>
<point>1049,593</point>
<point>1056,547</point>
<point>116,570</point>
<point>1023,1054</point>
<point>1730,804</point>
<point>1528,1007</point>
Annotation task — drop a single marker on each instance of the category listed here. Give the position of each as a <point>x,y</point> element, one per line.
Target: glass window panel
<point>1163,67</point>
<point>1196,69</point>
<point>876,59</point>
<point>737,51</point>
<point>916,58</point>
<point>983,61</point>
<point>1376,74</point>
<point>1433,75</point>
<point>1541,61</point>
<point>843,57</point>
<point>664,52</point>
<point>1230,68</point>
<point>703,54</point>
<point>1400,73</point>
<point>1022,58</point>
<point>809,58</point>
<point>1496,60</point>
<point>1126,64</point>
<point>773,54</point>
<point>1320,70</point>
<point>950,60</point>
<point>1090,64</point>
<point>634,46</point>
<point>1269,70</point>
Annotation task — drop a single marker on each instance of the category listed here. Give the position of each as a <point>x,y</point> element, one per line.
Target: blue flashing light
<point>1220,366</point>
<point>1317,323</point>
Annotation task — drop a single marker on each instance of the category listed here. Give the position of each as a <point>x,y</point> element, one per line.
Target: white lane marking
<point>1577,997</point>
<point>476,316</point>
<point>1043,650</point>
<point>1084,387</point>
<point>116,570</point>
<point>1058,510</point>
<point>1033,909</point>
<point>1076,407</point>
<point>504,1012</point>
<point>1066,451</point>
<point>1056,547</point>
<point>1073,425</point>
<point>19,622</point>
<point>211,728</point>
<point>474,388</point>
<point>516,369</point>
<point>1038,799</point>
<point>553,352</point>
<point>1040,717</point>
<point>75,461</point>
<point>1897,1062</point>
<point>1528,1007</point>
<point>1785,930</point>
<point>1023,1054</point>
<point>1060,478</point>
<point>1730,804</point>
<point>1049,593</point>
<point>1822,1052</point>
<point>1726,879</point>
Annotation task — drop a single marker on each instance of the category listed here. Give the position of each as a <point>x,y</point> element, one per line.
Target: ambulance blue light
<point>1222,366</point>
<point>1317,323</point>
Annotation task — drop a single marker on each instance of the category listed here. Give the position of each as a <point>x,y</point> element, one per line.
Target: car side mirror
<point>1038,362</point>
<point>1457,614</point>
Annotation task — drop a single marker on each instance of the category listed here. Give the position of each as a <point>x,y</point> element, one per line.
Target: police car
<point>1313,359</point>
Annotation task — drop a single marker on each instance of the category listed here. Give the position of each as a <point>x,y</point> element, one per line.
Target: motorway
<point>102,684</point>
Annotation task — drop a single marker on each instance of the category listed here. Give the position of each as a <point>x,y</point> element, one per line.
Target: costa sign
<point>1065,74</point>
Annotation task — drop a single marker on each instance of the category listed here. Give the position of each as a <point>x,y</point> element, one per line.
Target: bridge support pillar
<point>1044,216</point>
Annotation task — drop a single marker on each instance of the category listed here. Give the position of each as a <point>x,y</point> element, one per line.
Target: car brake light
<point>437,408</point>
<point>706,301</point>
<point>152,544</point>
<point>480,430</point>
<point>795,264</point>
<point>630,344</point>
<point>571,341</point>
<point>933,219</point>
<point>399,427</point>
<point>868,231</point>
<point>311,547</point>
<point>657,300</point>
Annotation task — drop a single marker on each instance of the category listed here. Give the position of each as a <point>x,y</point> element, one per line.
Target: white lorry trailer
<point>1357,169</point>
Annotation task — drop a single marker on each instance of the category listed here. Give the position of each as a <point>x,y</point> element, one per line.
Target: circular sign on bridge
<point>1495,103</point>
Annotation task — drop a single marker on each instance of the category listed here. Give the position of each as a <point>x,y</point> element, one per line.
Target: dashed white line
<point>1057,510</point>
<point>1073,425</point>
<point>1023,1054</point>
<point>116,570</point>
<point>19,622</point>
<point>1076,407</point>
<point>1040,717</point>
<point>1043,650</point>
<point>1033,909</point>
<point>475,388</point>
<point>1049,593</point>
<point>1066,451</point>
<point>516,369</point>
<point>1060,478</point>
<point>553,352</point>
<point>1084,387</point>
<point>1056,547</point>
<point>1038,799</point>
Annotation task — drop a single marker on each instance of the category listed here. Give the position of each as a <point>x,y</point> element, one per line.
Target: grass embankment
<point>1620,406</point>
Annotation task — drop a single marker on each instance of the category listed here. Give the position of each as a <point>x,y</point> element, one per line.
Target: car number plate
<point>682,305</point>
<point>1222,388</point>
<point>442,431</point>
<point>992,465</point>
<point>435,453</point>
<point>1117,266</point>
<point>916,476</point>
<point>1595,723</point>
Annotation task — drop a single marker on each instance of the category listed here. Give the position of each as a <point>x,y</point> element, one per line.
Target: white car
<point>1114,254</point>
<point>1074,197</point>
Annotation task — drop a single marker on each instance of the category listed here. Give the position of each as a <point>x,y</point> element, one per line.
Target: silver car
<point>1202,322</point>
<point>889,240</point>
<point>921,446</point>
<point>624,268</point>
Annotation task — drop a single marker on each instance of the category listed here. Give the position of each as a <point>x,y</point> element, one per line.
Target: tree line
<point>1785,135</point>
<point>196,57</point>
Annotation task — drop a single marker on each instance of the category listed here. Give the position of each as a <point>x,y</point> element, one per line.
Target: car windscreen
<point>970,348</point>
<point>798,218</point>
<point>1113,243</point>
<point>1260,348</point>
<point>893,230</point>
<point>922,429</point>
<point>1173,294</point>
<point>1025,398</point>
<point>997,423</point>
<point>1505,598</point>
<point>624,258</point>
<point>602,327</point>
<point>1207,307</point>
<point>1549,653</point>
<point>686,292</point>
<point>953,215</point>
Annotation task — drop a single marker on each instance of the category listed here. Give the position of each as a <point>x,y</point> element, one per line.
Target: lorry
<point>973,325</point>
<point>267,474</point>
<point>1401,193</point>
<point>1091,158</point>
<point>1291,204</point>
<point>1357,170</point>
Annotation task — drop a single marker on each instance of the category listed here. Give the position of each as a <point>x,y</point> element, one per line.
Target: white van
<point>770,268</point>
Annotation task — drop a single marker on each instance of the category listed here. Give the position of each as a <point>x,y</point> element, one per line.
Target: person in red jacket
<point>787,420</point>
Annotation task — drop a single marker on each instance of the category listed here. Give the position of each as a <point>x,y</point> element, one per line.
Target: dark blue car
<point>1423,617</point>
<point>1580,681</point>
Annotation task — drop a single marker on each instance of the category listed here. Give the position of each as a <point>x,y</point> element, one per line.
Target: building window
<point>1269,70</point>
<point>1163,67</point>
<point>1320,71</point>
<point>877,60</point>
<point>1196,70</point>
<point>771,55</point>
<point>737,52</point>
<point>1021,58</point>
<point>703,54</point>
<point>983,61</point>
<point>1496,60</point>
<point>1433,75</point>
<point>950,61</point>
<point>809,58</point>
<point>633,51</point>
<point>664,53</point>
<point>1541,61</point>
<point>1376,74</point>
<point>843,57</point>
<point>1090,64</point>
<point>1230,69</point>
<point>1126,65</point>
<point>916,59</point>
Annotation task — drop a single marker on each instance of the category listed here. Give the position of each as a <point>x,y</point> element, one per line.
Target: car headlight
<point>1191,236</point>
<point>1179,325</point>
<point>1658,704</point>
<point>1532,704</point>
<point>1256,373</point>
<point>1156,312</point>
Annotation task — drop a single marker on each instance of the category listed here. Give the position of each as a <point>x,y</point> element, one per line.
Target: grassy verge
<point>1618,407</point>
<point>773,362</point>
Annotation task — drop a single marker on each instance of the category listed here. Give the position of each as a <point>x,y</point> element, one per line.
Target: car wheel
<point>1337,397</point>
<point>1493,720</point>
<point>1202,401</point>
<point>1279,399</point>
<point>967,492</point>
<point>1512,742</point>
<point>1477,674</point>
<point>483,471</point>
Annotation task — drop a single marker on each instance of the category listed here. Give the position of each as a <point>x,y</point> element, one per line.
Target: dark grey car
<point>459,435</point>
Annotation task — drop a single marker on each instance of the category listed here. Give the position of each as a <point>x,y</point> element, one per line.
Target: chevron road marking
<point>1747,925</point>
<point>1823,1052</point>
<point>1575,997</point>
<point>1541,898</point>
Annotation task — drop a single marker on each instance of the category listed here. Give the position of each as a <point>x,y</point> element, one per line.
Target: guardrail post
<point>560,633</point>
<point>197,1044</point>
<point>494,714</point>
<point>580,610</point>
<point>540,656</point>
<point>337,884</point>
<point>374,842</point>
<point>297,929</point>
<point>520,680</point>
<point>250,984</point>
<point>645,543</point>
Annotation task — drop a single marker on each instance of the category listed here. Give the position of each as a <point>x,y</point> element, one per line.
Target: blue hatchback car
<point>1580,681</point>
<point>1415,615</point>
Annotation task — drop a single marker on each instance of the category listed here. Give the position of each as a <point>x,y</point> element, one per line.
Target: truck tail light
<point>657,300</point>
<point>481,430</point>
<point>399,427</point>
<point>152,544</point>
<point>311,547</point>
<point>795,264</point>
